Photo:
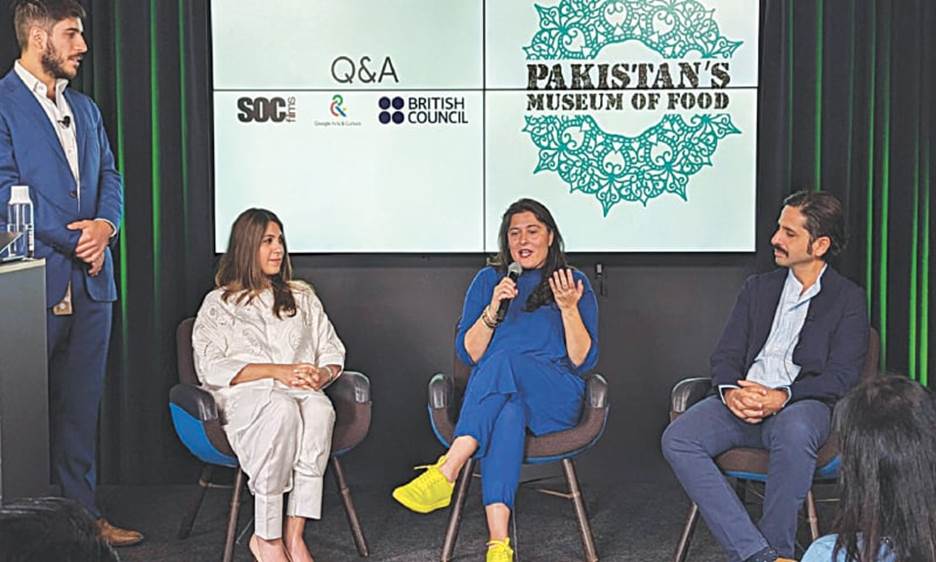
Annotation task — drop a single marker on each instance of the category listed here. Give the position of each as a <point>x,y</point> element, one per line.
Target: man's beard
<point>54,64</point>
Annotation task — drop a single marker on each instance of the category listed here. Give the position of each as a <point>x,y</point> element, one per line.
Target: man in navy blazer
<point>52,139</point>
<point>794,344</point>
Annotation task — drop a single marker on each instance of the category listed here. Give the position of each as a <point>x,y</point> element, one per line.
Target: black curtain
<point>846,105</point>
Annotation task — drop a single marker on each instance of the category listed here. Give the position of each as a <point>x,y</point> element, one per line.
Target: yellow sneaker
<point>500,551</point>
<point>428,492</point>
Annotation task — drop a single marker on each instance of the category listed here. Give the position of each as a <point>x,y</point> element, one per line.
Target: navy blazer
<point>832,343</point>
<point>31,154</point>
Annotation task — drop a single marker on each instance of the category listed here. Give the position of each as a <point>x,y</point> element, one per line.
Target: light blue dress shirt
<point>774,367</point>
<point>821,551</point>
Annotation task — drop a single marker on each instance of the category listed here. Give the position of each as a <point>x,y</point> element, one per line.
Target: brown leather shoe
<point>115,536</point>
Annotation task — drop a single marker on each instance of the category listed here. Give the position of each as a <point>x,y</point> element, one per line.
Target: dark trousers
<point>77,348</point>
<point>793,437</point>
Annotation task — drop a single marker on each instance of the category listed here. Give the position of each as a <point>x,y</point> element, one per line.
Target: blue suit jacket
<point>832,343</point>
<point>31,154</point>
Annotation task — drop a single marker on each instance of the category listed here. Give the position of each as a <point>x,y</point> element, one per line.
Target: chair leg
<point>813,515</point>
<point>682,548</point>
<point>461,491</point>
<point>741,490</point>
<point>588,542</point>
<point>232,516</point>
<point>188,521</point>
<point>356,531</point>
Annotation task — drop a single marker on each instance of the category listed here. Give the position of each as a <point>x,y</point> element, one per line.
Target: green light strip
<point>790,105</point>
<point>926,118</point>
<point>885,182</point>
<point>183,124</point>
<point>915,346</point>
<point>154,158</point>
<point>820,33</point>
<point>872,102</point>
<point>925,261</point>
<point>914,252</point>
<point>927,180</point>
<point>121,166</point>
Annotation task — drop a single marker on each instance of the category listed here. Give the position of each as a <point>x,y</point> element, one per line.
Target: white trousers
<point>283,447</point>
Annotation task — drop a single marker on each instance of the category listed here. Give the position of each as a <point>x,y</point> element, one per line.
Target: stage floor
<point>634,522</point>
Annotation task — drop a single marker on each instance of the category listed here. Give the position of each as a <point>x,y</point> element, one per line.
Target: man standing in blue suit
<point>52,139</point>
<point>794,344</point>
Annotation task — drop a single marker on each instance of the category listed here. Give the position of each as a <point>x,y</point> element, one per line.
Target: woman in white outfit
<point>265,349</point>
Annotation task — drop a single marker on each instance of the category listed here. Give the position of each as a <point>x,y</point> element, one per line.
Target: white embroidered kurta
<point>282,436</point>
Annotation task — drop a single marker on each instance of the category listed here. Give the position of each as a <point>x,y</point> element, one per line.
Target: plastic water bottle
<point>20,219</point>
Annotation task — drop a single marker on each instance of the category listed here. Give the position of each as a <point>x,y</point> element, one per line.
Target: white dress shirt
<point>56,111</point>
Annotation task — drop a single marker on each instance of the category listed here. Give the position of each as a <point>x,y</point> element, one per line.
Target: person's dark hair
<point>824,217</point>
<point>887,431</point>
<point>41,13</point>
<point>240,274</point>
<point>555,258</point>
<point>50,530</point>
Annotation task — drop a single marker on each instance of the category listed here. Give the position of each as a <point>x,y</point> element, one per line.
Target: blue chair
<point>196,421</point>
<point>750,465</point>
<point>445,396</point>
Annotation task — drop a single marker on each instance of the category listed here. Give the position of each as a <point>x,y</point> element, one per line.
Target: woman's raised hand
<point>566,290</point>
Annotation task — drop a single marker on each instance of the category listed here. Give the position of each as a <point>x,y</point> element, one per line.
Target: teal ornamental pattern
<point>579,29</point>
<point>611,167</point>
<point>615,168</point>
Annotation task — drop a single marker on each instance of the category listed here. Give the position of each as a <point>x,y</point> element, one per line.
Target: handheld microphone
<point>513,271</point>
<point>66,121</point>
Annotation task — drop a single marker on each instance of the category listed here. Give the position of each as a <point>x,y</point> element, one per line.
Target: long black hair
<point>555,257</point>
<point>887,428</point>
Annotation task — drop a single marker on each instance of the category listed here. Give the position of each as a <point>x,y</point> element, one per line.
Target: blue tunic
<point>538,333</point>
<point>523,381</point>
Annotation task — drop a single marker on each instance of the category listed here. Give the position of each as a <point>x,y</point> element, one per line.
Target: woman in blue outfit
<point>887,429</point>
<point>527,369</point>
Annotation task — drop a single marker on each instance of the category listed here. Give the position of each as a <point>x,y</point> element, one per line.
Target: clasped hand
<point>753,402</point>
<point>95,234</point>
<point>303,375</point>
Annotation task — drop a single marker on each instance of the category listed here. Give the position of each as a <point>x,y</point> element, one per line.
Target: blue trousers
<point>77,349</point>
<point>793,437</point>
<point>507,394</point>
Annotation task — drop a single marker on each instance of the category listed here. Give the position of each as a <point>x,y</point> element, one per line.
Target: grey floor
<point>632,521</point>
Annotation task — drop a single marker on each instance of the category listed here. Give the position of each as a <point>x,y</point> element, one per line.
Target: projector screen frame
<point>716,255</point>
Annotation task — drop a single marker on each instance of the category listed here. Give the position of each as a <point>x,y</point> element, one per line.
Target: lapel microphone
<point>66,121</point>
